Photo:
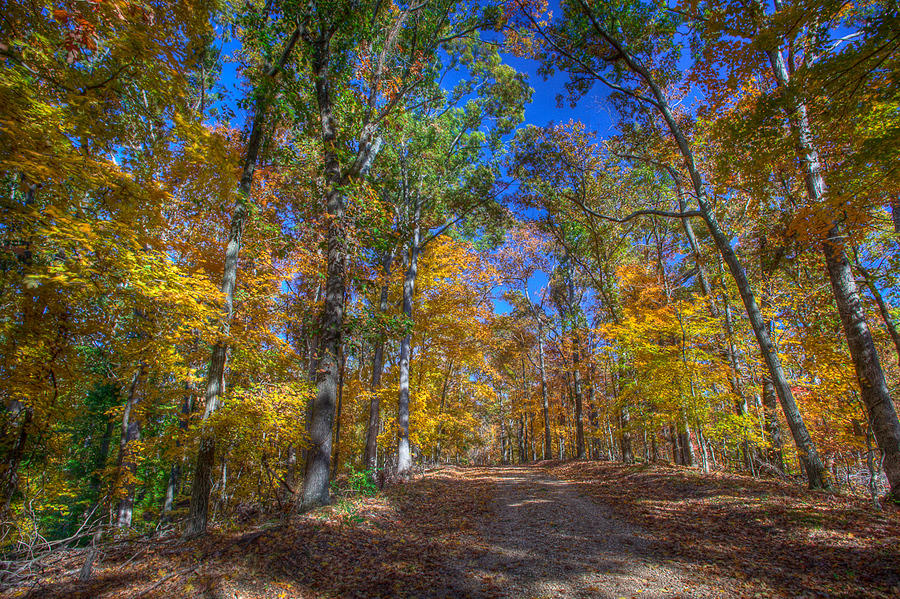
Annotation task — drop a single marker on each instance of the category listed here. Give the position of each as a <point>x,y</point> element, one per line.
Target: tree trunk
<point>773,430</point>
<point>869,373</point>
<point>313,342</point>
<point>545,403</point>
<point>522,441</point>
<point>625,439</point>
<point>624,418</point>
<point>873,387</point>
<point>404,455</point>
<point>675,440</point>
<point>171,489</point>
<point>687,448</point>
<point>215,377</point>
<point>100,464</point>
<point>701,440</point>
<point>576,363</point>
<point>444,389</point>
<point>337,423</point>
<point>131,434</point>
<point>531,437</point>
<point>883,307</point>
<point>10,473</point>
<point>692,242</point>
<point>377,370</point>
<point>807,449</point>
<point>318,459</point>
<point>895,214</point>
<point>592,412</point>
<point>87,567</point>
<point>175,471</point>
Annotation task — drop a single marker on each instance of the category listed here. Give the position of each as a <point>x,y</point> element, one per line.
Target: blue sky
<point>592,110</point>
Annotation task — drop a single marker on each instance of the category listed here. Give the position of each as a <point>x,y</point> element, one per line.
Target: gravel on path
<point>545,540</point>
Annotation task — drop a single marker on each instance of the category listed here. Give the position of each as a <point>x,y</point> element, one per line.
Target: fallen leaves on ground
<point>408,541</point>
<point>766,538</point>
<point>756,538</point>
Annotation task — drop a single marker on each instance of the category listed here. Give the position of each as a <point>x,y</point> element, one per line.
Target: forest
<point>299,261</point>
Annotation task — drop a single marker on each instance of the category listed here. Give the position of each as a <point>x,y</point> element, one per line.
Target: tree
<point>805,43</point>
<point>623,48</point>
<point>215,377</point>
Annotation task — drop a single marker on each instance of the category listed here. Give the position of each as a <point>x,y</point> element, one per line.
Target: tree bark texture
<point>377,371</point>
<point>215,378</point>
<point>576,366</point>
<point>318,459</point>
<point>773,429</point>
<point>545,403</point>
<point>315,490</point>
<point>404,455</point>
<point>131,434</point>
<point>869,374</point>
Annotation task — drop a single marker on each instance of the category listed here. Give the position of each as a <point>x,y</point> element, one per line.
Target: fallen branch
<point>164,580</point>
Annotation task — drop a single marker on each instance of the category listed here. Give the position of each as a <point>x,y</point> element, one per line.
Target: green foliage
<point>361,482</point>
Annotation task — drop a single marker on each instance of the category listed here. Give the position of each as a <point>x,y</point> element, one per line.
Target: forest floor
<point>576,529</point>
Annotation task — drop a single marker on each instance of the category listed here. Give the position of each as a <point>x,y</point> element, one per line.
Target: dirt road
<point>544,539</point>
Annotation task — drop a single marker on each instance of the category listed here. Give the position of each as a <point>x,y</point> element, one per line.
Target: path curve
<point>545,539</point>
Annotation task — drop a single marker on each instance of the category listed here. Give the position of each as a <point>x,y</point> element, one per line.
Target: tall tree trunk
<point>12,444</point>
<point>529,427</point>
<point>545,402</point>
<point>175,470</point>
<point>736,387</point>
<point>404,455</point>
<point>337,419</point>
<point>869,374</point>
<point>315,482</point>
<point>313,343</point>
<point>522,440</point>
<point>701,440</point>
<point>675,440</point>
<point>692,242</point>
<point>809,454</point>
<point>773,430</point>
<point>531,437</point>
<point>504,440</point>
<point>100,464</point>
<point>377,370</point>
<point>9,478</point>
<point>576,364</point>
<point>687,447</point>
<point>127,470</point>
<point>895,214</point>
<point>623,417</point>
<point>740,406</point>
<point>444,389</point>
<point>318,457</point>
<point>592,412</point>
<point>215,377</point>
<point>625,438</point>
